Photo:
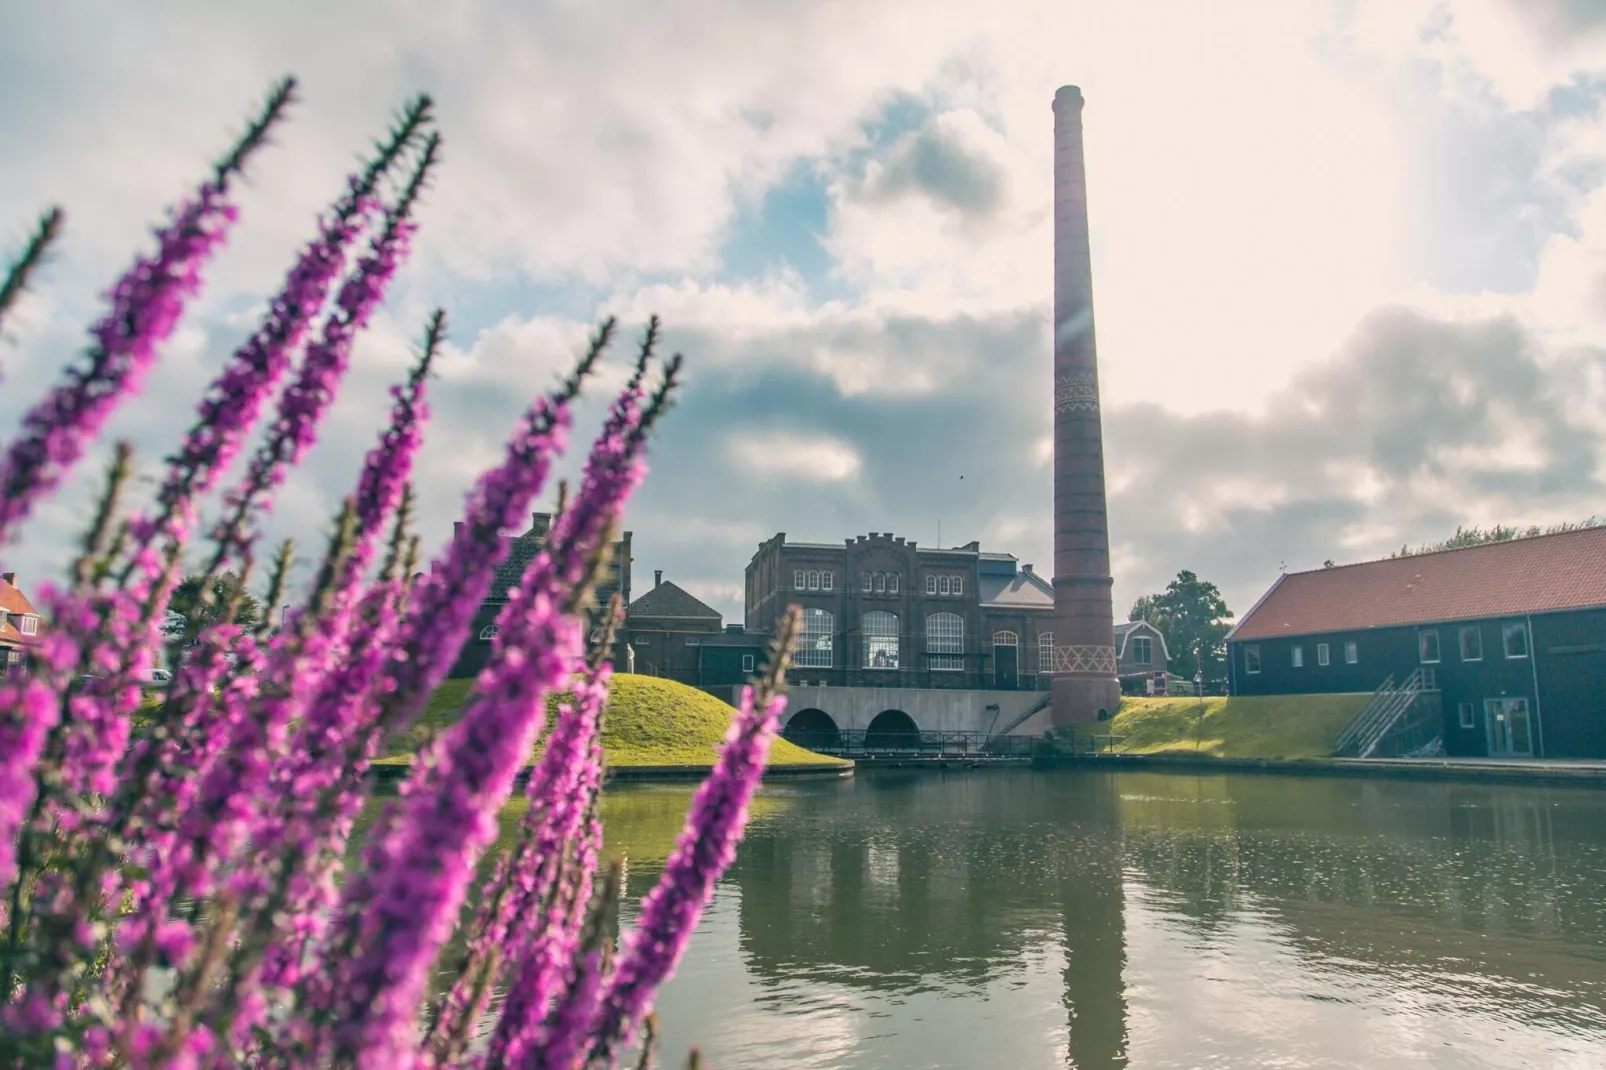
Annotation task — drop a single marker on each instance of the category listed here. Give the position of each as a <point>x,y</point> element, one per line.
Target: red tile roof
<point>1540,574</point>
<point>15,604</point>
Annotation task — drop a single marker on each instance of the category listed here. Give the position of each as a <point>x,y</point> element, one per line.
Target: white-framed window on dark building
<point>880,631</point>
<point>827,581</point>
<point>1045,651</point>
<point>1142,650</point>
<point>747,662</point>
<point>1252,659</point>
<point>1472,643</point>
<point>800,580</point>
<point>1324,654</point>
<point>943,584</point>
<point>931,584</point>
<point>489,632</point>
<point>1428,646</point>
<point>893,581</point>
<point>1467,715</point>
<point>1296,656</point>
<point>945,642</point>
<point>880,583</point>
<point>868,582</point>
<point>1352,652</point>
<point>959,585</point>
<point>1514,639</point>
<point>1430,679</point>
<point>816,639</point>
<point>814,579</point>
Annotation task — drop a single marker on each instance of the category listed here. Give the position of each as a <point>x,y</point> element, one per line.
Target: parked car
<point>161,677</point>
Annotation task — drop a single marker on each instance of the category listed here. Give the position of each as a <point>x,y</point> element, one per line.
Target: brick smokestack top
<point>1084,683</point>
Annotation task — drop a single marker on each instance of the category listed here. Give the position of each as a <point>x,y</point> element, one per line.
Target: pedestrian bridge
<point>821,717</point>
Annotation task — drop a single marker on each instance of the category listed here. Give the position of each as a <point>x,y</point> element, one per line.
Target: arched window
<point>880,630</point>
<point>815,642</point>
<point>880,583</point>
<point>814,579</point>
<point>489,632</point>
<point>1045,651</point>
<point>1005,639</point>
<point>892,583</point>
<point>826,581</point>
<point>945,641</point>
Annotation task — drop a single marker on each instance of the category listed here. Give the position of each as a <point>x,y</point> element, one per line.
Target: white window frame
<point>748,662</point>
<point>814,579</point>
<point>880,583</point>
<point>1422,638</point>
<point>943,585</point>
<point>1324,655</point>
<point>931,583</point>
<point>959,585</point>
<point>880,641</point>
<point>945,642</point>
<point>1467,715</point>
<point>1045,652</point>
<point>1510,629</point>
<point>1474,631</point>
<point>1296,655</point>
<point>28,625</point>
<point>1352,652</point>
<point>1252,659</point>
<point>800,579</point>
<point>489,632</point>
<point>827,580</point>
<point>1147,650</point>
<point>869,581</point>
<point>818,625</point>
<point>894,581</point>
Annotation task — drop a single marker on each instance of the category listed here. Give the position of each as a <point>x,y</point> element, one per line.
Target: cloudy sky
<point>1349,270</point>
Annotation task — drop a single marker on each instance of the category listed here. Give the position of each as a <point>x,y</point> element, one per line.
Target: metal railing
<point>1380,717</point>
<point>916,745</point>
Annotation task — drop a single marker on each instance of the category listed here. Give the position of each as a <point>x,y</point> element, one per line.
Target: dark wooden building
<point>1140,654</point>
<point>1509,637</point>
<point>521,551</point>
<point>880,611</point>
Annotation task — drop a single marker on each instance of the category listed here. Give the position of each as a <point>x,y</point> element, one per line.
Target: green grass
<point>1262,726</point>
<point>648,721</point>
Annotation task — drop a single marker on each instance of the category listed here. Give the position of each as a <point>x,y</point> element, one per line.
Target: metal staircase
<point>1391,719</point>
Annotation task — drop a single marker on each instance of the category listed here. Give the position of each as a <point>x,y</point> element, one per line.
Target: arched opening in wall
<point>813,729</point>
<point>891,729</point>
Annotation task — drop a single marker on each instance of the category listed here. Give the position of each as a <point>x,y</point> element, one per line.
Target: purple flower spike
<point>146,304</point>
<point>706,847</point>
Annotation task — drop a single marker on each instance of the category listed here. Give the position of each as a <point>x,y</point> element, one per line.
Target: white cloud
<point>806,458</point>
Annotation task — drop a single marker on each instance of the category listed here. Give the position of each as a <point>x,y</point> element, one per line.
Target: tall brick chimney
<point>1084,684</point>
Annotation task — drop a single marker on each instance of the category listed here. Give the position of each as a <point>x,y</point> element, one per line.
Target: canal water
<point>1013,919</point>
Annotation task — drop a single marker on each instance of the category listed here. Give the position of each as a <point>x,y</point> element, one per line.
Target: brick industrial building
<point>880,611</point>
<point>521,550</point>
<point>1504,644</point>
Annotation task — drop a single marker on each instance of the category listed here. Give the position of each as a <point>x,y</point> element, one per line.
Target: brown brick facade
<point>879,611</point>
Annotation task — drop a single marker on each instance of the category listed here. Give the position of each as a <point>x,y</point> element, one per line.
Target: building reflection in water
<point>911,885</point>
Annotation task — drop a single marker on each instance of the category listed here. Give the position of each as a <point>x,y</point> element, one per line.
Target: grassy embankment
<point>1286,727</point>
<point>648,722</point>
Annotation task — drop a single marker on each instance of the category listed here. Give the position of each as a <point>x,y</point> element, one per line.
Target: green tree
<point>1465,537</point>
<point>225,587</point>
<point>1194,619</point>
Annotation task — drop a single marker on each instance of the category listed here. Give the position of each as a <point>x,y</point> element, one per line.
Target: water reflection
<point>1106,920</point>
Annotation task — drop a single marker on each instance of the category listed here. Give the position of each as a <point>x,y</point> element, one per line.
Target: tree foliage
<point>226,590</point>
<point>1194,619</point>
<point>1475,536</point>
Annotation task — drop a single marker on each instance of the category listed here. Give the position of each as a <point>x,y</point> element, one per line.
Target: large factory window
<point>945,641</point>
<point>880,630</point>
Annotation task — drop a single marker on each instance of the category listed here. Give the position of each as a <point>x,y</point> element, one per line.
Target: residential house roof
<point>13,605</point>
<point>668,600</point>
<point>1020,590</point>
<point>1538,574</point>
<point>1124,629</point>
